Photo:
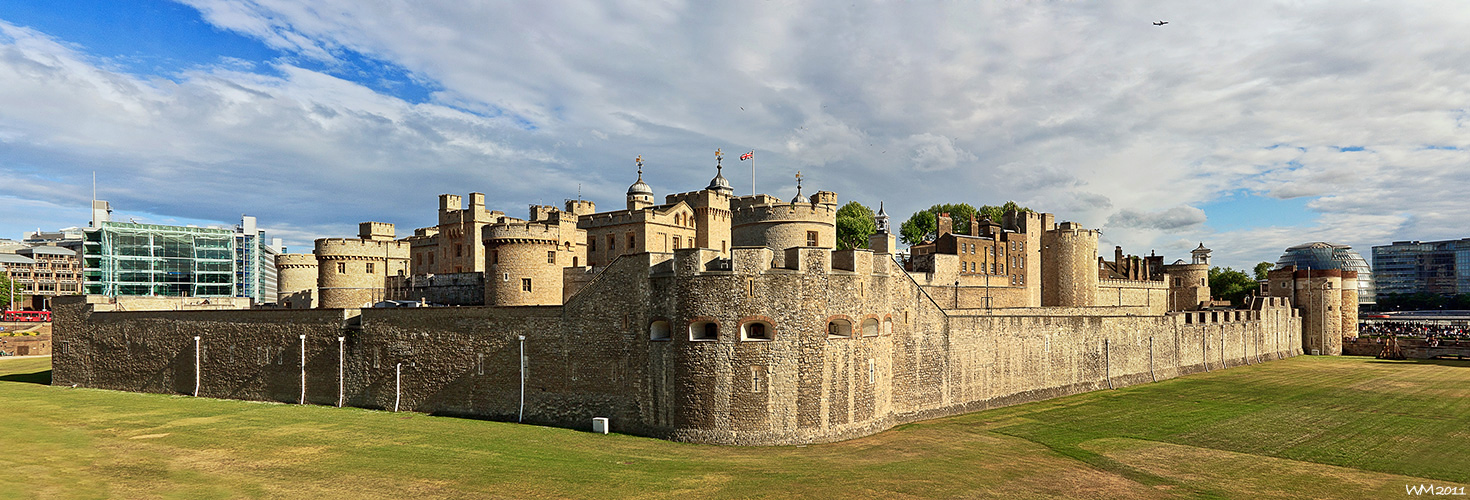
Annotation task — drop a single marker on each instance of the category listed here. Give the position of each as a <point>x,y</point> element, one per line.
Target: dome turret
<point>720,184</point>
<point>799,198</point>
<point>639,194</point>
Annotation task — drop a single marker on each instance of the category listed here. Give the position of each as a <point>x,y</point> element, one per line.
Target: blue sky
<point>1250,127</point>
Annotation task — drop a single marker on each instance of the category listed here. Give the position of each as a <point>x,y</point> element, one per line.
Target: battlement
<point>581,207</point>
<point>295,260</point>
<point>332,248</point>
<point>549,231</point>
<point>375,231</point>
<point>1073,229</point>
<point>784,212</point>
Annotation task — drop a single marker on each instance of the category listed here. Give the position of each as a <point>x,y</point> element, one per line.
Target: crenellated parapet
<point>763,221</point>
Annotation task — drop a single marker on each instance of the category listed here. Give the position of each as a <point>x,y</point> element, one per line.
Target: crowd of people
<point>1428,331</point>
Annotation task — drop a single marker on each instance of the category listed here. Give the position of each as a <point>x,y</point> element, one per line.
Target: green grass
<point>1309,427</point>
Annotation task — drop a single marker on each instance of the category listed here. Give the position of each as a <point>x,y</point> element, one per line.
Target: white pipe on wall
<point>303,370</point>
<point>341,359</point>
<point>521,413</point>
<point>196,366</point>
<point>397,385</point>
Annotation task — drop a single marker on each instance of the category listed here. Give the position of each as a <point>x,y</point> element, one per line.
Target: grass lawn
<point>1308,427</point>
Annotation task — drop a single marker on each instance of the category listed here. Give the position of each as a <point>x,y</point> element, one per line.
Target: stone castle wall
<point>630,346</point>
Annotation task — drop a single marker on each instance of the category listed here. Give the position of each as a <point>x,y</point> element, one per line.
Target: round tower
<point>521,260</point>
<point>1188,285</point>
<point>296,280</point>
<point>353,272</point>
<point>1069,266</point>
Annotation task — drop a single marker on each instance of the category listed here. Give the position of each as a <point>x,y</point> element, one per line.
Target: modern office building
<point>127,258</point>
<point>1407,267</point>
<point>1322,255</point>
<point>40,273</point>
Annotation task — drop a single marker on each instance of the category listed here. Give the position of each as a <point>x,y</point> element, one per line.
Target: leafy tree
<point>1262,269</point>
<point>997,213</point>
<point>925,225</point>
<point>854,225</point>
<point>1229,284</point>
<point>5,292</point>
<point>918,228</point>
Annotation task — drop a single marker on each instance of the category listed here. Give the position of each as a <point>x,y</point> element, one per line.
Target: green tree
<point>1262,269</point>
<point>918,228</point>
<point>1229,284</point>
<point>5,292</point>
<point>996,213</point>
<point>925,225</point>
<point>854,225</point>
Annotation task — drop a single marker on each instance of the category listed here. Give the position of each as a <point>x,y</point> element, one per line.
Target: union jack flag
<point>747,156</point>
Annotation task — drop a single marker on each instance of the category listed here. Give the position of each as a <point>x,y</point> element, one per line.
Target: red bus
<point>28,316</point>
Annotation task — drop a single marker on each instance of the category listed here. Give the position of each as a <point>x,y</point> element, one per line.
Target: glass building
<point>1439,267</point>
<point>125,258</point>
<point>1323,255</point>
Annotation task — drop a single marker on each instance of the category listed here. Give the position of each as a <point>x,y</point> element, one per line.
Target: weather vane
<point>718,157</point>
<point>639,161</point>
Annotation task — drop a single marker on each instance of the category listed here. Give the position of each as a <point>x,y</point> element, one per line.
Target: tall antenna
<point>94,186</point>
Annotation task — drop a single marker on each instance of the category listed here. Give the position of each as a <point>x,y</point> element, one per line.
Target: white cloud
<point>1082,109</point>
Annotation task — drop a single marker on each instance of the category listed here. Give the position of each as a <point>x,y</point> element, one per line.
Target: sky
<point>1247,126</point>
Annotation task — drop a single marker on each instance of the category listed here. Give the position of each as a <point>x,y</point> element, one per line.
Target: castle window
<point>431,259</point>
<point>341,268</point>
<point>676,242</point>
<point>525,284</point>
<point>632,246</point>
<point>1179,282</point>
<point>888,326</point>
<point>839,328</point>
<point>870,327</point>
<point>495,256</point>
<point>591,244</point>
<point>704,330</point>
<point>612,243</point>
<point>551,256</point>
<point>658,330</point>
<point>574,261</point>
<point>755,330</point>
<point>811,238</point>
<point>458,250</point>
<point>370,268</point>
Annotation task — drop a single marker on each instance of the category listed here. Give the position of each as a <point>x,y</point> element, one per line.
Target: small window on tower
<point>811,238</point>
<point>631,242</point>
<point>458,250</point>
<point>341,268</point>
<point>551,256</point>
<point>370,268</point>
<point>525,284</point>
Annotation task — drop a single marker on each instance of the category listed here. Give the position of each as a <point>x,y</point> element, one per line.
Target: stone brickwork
<point>1069,266</point>
<point>1325,304</point>
<point>296,280</point>
<point>461,289</point>
<point>353,272</point>
<point>691,346</point>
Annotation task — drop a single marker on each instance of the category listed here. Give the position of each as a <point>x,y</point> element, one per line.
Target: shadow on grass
<point>43,378</point>
<point>1458,363</point>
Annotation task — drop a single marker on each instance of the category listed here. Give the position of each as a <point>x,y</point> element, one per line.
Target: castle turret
<point>719,184</point>
<point>1069,266</point>
<point>640,196</point>
<point>765,221</point>
<point>354,272</point>
<point>524,260</point>
<point>296,280</point>
<point>882,241</point>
